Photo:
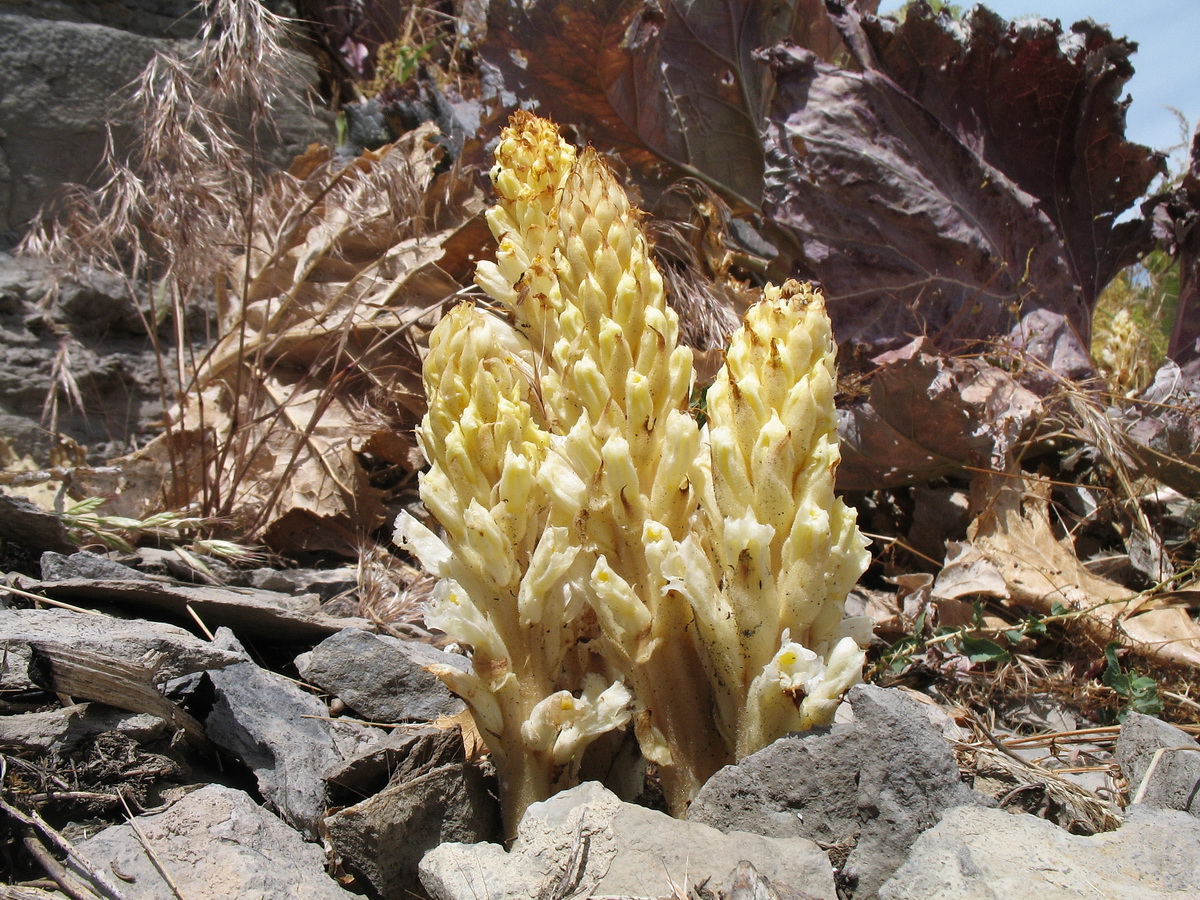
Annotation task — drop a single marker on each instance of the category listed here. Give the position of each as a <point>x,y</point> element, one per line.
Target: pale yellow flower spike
<point>532,162</point>
<point>791,551</point>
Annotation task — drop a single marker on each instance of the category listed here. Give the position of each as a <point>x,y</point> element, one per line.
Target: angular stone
<point>325,583</point>
<point>85,564</point>
<point>872,785</point>
<point>1175,781</point>
<point>280,732</point>
<point>25,525</point>
<point>380,677</point>
<point>982,854</point>
<point>216,843</point>
<point>434,796</point>
<point>586,842</point>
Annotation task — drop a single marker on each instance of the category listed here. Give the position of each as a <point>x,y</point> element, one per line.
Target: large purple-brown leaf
<point>909,231</point>
<point>914,207</point>
<point>1176,216</point>
<point>673,81</point>
<point>1043,106</point>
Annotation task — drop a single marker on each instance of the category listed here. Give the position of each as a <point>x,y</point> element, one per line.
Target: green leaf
<point>984,650</point>
<point>1140,691</point>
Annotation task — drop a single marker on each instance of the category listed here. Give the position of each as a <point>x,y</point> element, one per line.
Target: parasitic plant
<point>608,559</point>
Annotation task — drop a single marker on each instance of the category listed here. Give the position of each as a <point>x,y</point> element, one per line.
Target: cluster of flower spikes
<point>608,559</point>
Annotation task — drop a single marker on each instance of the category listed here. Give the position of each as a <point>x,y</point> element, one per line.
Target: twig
<point>200,622</point>
<point>154,858</point>
<point>9,589</point>
<point>68,883</point>
<point>75,860</point>
<point>999,745</point>
<point>25,892</point>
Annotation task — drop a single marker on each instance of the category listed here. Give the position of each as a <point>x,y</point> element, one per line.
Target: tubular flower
<point>608,560</point>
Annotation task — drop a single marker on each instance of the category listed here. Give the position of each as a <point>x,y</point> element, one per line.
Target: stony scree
<point>216,843</point>
<point>981,854</point>
<point>433,796</point>
<point>870,786</point>
<point>277,730</point>
<point>587,842</point>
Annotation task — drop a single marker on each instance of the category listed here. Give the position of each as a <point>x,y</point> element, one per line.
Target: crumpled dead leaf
<point>1014,534</point>
<point>969,176</point>
<point>1161,427</point>
<point>928,414</point>
<point>317,359</point>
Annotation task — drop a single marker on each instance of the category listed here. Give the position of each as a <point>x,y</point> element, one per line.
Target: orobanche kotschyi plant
<point>608,559</point>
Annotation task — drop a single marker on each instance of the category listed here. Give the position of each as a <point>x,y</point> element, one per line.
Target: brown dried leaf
<point>317,358</point>
<point>1039,570</point>
<point>927,415</point>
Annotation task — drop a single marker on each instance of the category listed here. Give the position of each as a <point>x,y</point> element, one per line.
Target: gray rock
<point>382,678</point>
<point>325,583</point>
<point>873,785</point>
<point>1175,781</point>
<point>279,731</point>
<point>17,671</point>
<point>215,844</point>
<point>982,854</point>
<point>164,651</point>
<point>112,361</point>
<point>586,842</point>
<point>59,83</point>
<point>434,796</point>
<point>370,769</point>
<point>152,18</point>
<point>22,523</point>
<point>85,564</point>
<point>64,729</point>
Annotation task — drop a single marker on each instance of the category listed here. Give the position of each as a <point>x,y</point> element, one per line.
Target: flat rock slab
<point>163,650</point>
<point>981,854</point>
<point>62,730</point>
<point>216,844</point>
<point>264,614</point>
<point>586,842</point>
<point>869,786</point>
<point>382,678</point>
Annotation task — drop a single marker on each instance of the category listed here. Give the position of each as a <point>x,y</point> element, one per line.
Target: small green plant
<point>973,641</point>
<point>1140,692</point>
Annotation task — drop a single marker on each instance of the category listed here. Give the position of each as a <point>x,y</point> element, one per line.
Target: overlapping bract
<point>608,559</point>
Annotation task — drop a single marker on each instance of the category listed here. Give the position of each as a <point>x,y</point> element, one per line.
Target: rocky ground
<point>175,739</point>
<point>263,732</point>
